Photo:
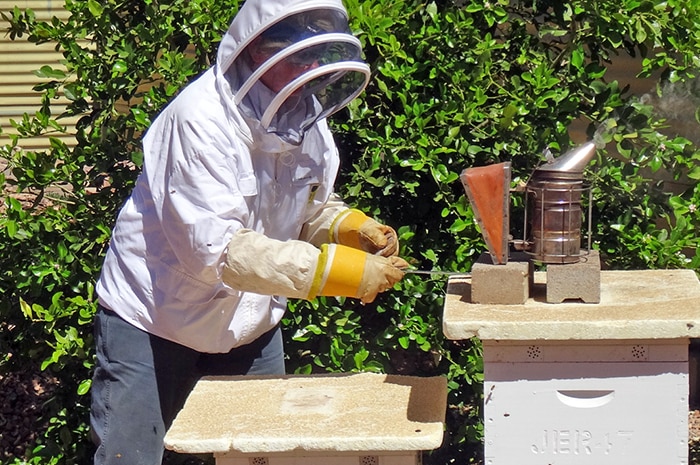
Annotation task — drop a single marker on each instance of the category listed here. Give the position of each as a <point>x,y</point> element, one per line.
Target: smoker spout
<point>573,161</point>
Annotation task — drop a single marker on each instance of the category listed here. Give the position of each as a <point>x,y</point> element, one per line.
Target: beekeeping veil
<point>289,64</point>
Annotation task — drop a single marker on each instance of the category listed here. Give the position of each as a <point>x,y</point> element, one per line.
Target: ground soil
<point>21,397</point>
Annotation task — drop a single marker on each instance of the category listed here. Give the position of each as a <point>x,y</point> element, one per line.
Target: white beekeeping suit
<point>234,210</point>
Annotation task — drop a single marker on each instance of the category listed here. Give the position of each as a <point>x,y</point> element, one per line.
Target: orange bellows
<point>488,190</point>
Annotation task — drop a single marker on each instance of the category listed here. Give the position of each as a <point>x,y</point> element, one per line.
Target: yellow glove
<point>345,271</point>
<point>355,229</point>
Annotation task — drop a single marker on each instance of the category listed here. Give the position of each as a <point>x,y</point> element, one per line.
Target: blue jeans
<point>141,382</point>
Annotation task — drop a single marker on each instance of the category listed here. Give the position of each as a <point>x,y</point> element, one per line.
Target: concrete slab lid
<point>315,413</point>
<point>645,304</point>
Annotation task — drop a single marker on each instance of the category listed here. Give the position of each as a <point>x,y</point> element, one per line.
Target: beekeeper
<point>233,212</point>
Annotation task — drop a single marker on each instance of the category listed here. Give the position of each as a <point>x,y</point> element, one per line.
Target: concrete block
<point>507,284</point>
<point>580,281</point>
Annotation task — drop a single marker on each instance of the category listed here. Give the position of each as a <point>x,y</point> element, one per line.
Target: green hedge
<point>455,84</point>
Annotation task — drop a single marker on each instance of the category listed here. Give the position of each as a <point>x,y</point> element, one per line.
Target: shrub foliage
<point>455,84</point>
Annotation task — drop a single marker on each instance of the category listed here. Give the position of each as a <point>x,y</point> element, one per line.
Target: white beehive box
<point>380,458</point>
<point>586,404</point>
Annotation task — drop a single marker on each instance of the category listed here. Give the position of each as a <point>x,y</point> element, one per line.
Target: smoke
<point>678,103</point>
<point>606,128</point>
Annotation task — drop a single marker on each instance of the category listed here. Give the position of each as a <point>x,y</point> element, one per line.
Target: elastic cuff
<point>345,229</point>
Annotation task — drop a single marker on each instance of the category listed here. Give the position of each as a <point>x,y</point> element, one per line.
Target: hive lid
<point>301,414</point>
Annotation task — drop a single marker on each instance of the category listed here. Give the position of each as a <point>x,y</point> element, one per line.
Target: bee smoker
<point>554,216</point>
<point>552,232</point>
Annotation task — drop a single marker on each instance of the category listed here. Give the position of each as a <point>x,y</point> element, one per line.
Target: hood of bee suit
<point>289,64</point>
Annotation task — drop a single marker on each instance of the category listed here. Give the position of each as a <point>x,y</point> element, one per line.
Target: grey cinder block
<point>507,284</point>
<point>575,280</point>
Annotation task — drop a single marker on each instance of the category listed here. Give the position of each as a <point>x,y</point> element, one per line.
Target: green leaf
<point>84,387</point>
<point>26,309</point>
<point>577,57</point>
<point>694,173</point>
<point>10,228</point>
<point>508,113</point>
<point>47,71</point>
<point>119,67</point>
<point>655,163</point>
<point>359,358</point>
<point>69,90</point>
<point>141,117</point>
<point>95,8</point>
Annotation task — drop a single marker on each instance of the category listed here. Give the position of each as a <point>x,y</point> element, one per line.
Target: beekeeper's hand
<point>355,229</point>
<point>256,263</point>
<point>381,274</point>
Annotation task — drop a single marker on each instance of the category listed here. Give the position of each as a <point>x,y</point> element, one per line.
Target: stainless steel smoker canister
<point>553,212</point>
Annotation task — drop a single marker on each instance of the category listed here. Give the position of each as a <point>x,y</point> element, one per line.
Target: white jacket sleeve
<point>297,269</point>
<point>257,263</point>
<point>317,230</point>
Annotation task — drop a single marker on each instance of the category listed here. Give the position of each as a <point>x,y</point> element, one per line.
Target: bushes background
<point>456,84</point>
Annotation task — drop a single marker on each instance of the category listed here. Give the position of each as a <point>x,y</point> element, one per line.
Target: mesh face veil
<point>299,70</point>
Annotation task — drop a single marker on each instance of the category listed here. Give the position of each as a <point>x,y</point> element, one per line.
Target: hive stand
<point>578,383</point>
<point>355,419</point>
